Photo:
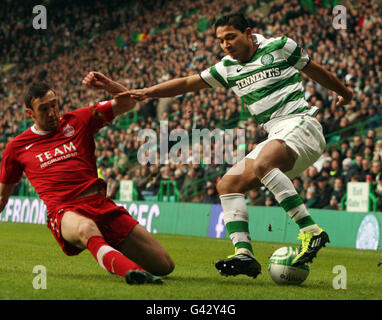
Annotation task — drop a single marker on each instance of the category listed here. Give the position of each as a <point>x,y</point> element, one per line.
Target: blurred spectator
<point>339,189</point>
<point>375,170</point>
<point>112,187</point>
<point>137,175</point>
<point>335,170</point>
<point>378,192</point>
<point>370,143</point>
<point>346,167</point>
<point>371,134</point>
<point>153,183</point>
<point>351,112</point>
<point>143,178</point>
<point>374,118</point>
<point>363,114</point>
<point>365,172</point>
<point>324,192</point>
<point>297,183</point>
<point>355,178</point>
<point>211,195</point>
<point>358,145</point>
<point>166,173</point>
<point>356,168</point>
<point>312,172</point>
<point>378,148</point>
<point>188,184</point>
<point>344,125</point>
<point>179,177</point>
<point>256,197</point>
<point>368,153</point>
<point>334,204</point>
<point>311,197</point>
<point>269,201</point>
<point>344,148</point>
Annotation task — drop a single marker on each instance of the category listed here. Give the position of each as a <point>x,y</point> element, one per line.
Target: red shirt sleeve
<point>97,116</point>
<point>11,170</point>
<point>102,114</point>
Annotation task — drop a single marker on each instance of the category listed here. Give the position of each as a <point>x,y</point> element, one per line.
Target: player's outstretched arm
<point>5,192</point>
<point>122,104</point>
<point>328,80</point>
<point>98,80</point>
<point>169,88</point>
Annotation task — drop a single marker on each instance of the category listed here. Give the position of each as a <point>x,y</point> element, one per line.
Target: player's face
<point>235,43</point>
<point>44,112</point>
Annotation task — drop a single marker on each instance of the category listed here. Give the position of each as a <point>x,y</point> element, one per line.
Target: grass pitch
<point>24,246</point>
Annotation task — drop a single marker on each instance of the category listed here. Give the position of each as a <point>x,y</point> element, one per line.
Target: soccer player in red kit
<point>57,156</point>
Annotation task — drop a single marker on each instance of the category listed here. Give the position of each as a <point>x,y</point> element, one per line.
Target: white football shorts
<point>302,133</point>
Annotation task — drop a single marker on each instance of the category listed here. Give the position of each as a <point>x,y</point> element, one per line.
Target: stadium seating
<point>142,43</point>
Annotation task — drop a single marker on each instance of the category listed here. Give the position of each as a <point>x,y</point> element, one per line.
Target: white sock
<point>286,195</point>
<point>236,221</point>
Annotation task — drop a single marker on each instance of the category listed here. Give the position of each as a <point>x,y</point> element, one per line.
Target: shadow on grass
<point>87,277</point>
<point>213,280</point>
<point>262,281</point>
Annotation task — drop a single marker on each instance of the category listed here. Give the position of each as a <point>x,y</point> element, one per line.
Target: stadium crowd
<point>142,43</point>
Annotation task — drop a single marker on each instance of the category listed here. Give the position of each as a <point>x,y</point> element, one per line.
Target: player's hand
<point>138,94</point>
<point>96,80</point>
<point>124,99</point>
<point>345,99</point>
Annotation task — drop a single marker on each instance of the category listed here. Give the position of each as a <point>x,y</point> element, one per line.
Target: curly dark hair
<point>35,90</point>
<point>236,20</point>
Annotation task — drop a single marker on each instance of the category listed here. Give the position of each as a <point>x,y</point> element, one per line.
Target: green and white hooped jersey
<point>270,83</point>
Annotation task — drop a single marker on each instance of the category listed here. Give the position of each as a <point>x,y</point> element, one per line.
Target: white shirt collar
<point>41,133</point>
<point>257,38</point>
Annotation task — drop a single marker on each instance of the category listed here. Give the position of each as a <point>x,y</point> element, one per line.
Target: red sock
<point>109,258</point>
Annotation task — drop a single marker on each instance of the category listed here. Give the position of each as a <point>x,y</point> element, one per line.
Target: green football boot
<point>142,277</point>
<point>310,245</point>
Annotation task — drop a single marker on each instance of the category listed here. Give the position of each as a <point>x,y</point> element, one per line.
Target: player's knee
<point>223,186</point>
<point>166,266</point>
<point>232,184</point>
<point>86,230</point>
<point>261,168</point>
<point>220,187</point>
<point>276,154</point>
<point>228,184</point>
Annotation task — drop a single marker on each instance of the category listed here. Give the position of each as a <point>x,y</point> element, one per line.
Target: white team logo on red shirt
<point>68,131</point>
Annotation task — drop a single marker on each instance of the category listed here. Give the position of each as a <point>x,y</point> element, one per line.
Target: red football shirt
<point>62,164</point>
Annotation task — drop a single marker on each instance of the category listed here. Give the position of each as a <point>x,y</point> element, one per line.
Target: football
<point>281,270</point>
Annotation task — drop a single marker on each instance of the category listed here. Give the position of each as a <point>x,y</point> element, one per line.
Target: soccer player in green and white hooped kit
<point>265,74</point>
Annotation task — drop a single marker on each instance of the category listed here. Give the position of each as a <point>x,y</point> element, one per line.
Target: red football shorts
<point>113,221</point>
